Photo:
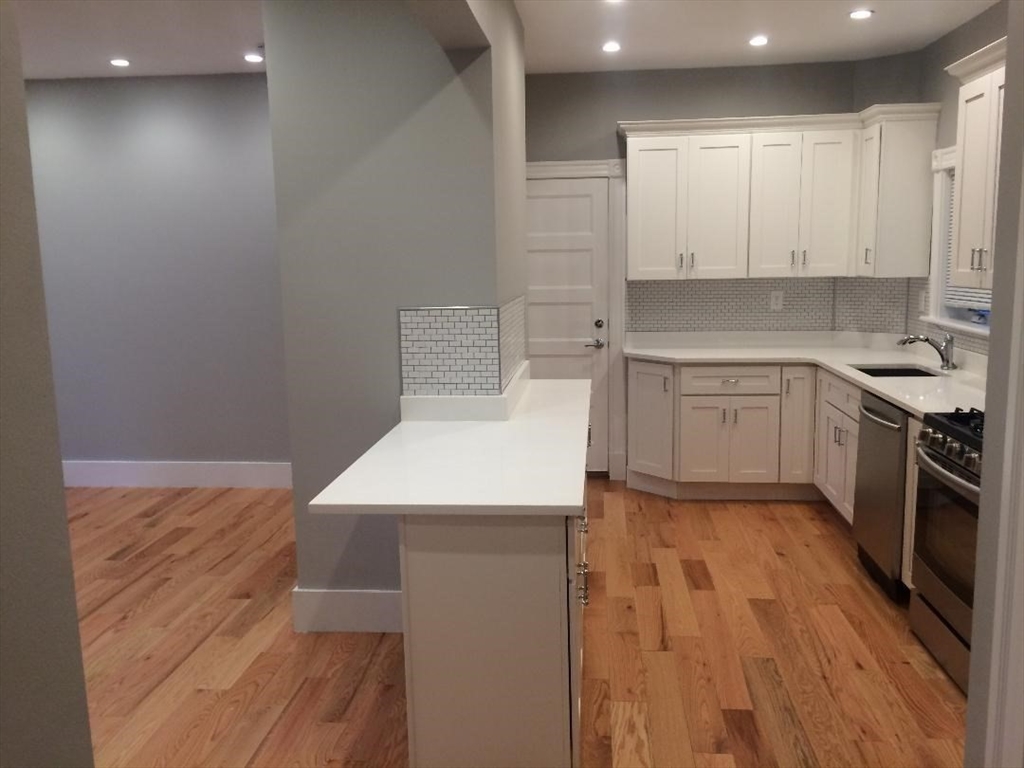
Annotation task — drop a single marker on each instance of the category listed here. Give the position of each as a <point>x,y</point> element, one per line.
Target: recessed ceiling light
<point>611,47</point>
<point>613,1</point>
<point>758,41</point>
<point>253,58</point>
<point>861,14</point>
<point>119,62</point>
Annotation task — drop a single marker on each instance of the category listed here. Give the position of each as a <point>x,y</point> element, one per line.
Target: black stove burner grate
<point>973,420</point>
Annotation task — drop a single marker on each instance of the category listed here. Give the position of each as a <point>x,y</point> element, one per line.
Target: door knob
<point>597,344</point>
<point>599,323</point>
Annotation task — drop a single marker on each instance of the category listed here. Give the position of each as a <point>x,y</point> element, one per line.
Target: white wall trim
<point>575,169</point>
<point>617,328</point>
<point>944,159</point>
<point>347,610</point>
<point>836,121</point>
<point>178,474</point>
<point>981,62</point>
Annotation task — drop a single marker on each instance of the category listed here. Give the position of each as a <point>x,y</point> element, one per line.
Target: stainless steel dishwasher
<point>878,501</point>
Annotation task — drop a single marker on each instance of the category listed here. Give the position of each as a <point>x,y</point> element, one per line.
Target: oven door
<point>945,538</point>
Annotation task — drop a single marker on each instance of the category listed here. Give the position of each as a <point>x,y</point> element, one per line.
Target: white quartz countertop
<point>916,395</point>
<point>534,463</point>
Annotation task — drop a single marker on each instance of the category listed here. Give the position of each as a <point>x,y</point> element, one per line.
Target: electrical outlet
<point>776,301</point>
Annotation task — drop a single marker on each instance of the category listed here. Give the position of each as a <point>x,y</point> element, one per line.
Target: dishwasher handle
<point>894,426</point>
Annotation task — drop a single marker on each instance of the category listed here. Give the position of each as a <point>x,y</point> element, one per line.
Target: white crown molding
<point>178,474</point>
<point>575,169</point>
<point>900,112</point>
<point>979,63</point>
<point>944,159</point>
<point>839,121</point>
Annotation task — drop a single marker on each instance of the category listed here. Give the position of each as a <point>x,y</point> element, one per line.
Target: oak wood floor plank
<point>723,656</point>
<point>622,615</point>
<point>595,724</point>
<point>667,722</point>
<point>680,618</point>
<point>713,760</point>
<point>650,619</point>
<point>708,733</point>
<point>747,743</point>
<point>625,673</point>
<point>698,577</point>
<point>631,743</point>
<point>776,715</point>
<point>733,599</point>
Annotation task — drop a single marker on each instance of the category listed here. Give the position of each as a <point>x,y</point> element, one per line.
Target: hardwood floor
<point>718,634</point>
<point>746,633</point>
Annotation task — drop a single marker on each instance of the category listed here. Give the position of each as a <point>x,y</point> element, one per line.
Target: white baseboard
<point>347,610</point>
<point>178,474</point>
<point>722,491</point>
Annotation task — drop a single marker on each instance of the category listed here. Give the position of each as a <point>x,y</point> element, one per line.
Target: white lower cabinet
<point>651,418</point>
<point>796,441</point>
<point>729,439</point>
<point>835,445</point>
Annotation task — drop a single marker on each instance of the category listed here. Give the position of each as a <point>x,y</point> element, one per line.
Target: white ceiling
<point>77,38</point>
<point>566,35</point>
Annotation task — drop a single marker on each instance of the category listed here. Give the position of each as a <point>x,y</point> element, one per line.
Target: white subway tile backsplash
<point>871,304</point>
<point>512,341</point>
<point>449,351</point>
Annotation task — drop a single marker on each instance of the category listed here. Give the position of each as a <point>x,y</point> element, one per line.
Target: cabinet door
<point>576,549</point>
<point>718,218</point>
<point>754,439</point>
<point>820,436</point>
<point>848,442</point>
<point>703,439</point>
<point>826,203</point>
<point>649,419</point>
<point>774,204</point>
<point>973,163</point>
<point>998,87</point>
<point>867,223</point>
<point>833,455</point>
<point>656,207</point>
<point>796,430</point>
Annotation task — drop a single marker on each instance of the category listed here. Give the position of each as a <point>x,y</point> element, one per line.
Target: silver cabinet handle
<point>582,525</point>
<point>787,386</point>
<point>723,415</point>
<point>597,344</point>
<point>730,381</point>
<point>973,252</point>
<point>664,383</point>
<point>792,259</point>
<point>692,262</point>
<point>841,443</point>
<point>735,415</point>
<point>866,251</point>
<point>804,256</point>
<point>981,259</point>
<point>835,435</point>
<point>682,261</point>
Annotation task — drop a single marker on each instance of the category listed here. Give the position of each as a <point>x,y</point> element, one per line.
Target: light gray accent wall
<point>887,80</point>
<point>43,716</point>
<point>937,84</point>
<point>574,116</point>
<point>504,30</point>
<point>157,226</point>
<point>384,178</point>
<point>995,660</point>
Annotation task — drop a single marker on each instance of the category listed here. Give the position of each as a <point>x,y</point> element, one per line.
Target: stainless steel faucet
<point>945,349</point>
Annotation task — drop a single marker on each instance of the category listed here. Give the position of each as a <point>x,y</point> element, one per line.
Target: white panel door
<point>718,209</point>
<point>796,427</point>
<point>998,88</point>
<point>833,455</point>
<point>775,204</point>
<point>826,203</point>
<point>567,292</point>
<point>703,440</point>
<point>649,419</point>
<point>754,439</point>
<point>655,207</point>
<point>973,164</point>
<point>867,225</point>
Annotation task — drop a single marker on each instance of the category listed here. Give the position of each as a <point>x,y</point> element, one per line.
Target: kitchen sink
<point>893,370</point>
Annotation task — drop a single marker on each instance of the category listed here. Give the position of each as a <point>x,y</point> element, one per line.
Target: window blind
<point>956,296</point>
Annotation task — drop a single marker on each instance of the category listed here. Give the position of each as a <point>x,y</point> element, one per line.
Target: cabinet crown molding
<point>979,63</point>
<point>824,122</point>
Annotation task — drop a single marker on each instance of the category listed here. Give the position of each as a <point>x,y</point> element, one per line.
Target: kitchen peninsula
<point>492,523</point>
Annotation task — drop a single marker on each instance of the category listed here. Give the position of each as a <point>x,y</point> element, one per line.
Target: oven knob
<point>924,435</point>
<point>952,448</point>
<point>972,461</point>
<point>937,440</point>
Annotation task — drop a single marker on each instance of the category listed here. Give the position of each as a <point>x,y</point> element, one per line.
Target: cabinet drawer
<point>730,380</point>
<point>837,392</point>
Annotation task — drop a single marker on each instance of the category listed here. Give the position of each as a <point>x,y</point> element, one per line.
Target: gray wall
<point>937,85</point>
<point>384,178</point>
<point>156,220</point>
<point>43,715</point>
<point>501,24</point>
<point>574,116</point>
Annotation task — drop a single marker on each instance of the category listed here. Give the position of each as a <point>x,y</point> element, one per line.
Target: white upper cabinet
<point>978,140</point>
<point>656,207</point>
<point>775,204</point>
<point>827,203</point>
<point>894,224</point>
<point>718,176</point>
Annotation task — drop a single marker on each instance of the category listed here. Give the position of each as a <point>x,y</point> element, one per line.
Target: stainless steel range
<point>949,458</point>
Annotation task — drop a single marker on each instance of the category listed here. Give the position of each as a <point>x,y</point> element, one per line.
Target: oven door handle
<point>971,492</point>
